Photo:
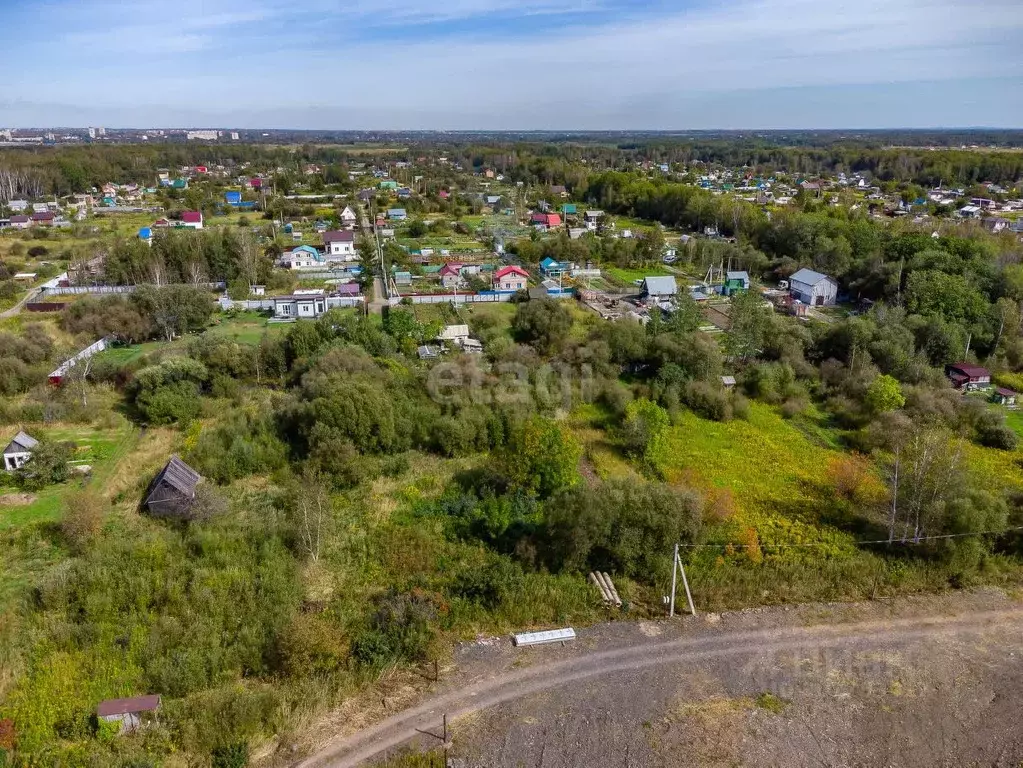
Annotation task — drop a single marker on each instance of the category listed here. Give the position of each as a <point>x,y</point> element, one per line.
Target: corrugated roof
<point>660,285</point>
<point>338,236</point>
<point>128,706</point>
<point>743,275</point>
<point>973,371</point>
<point>809,277</point>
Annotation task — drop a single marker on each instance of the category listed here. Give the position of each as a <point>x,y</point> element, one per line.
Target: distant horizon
<point>556,131</point>
<point>600,65</point>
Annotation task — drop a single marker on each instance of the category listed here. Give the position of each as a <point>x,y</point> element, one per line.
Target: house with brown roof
<point>339,245</point>
<point>128,712</point>
<point>967,377</point>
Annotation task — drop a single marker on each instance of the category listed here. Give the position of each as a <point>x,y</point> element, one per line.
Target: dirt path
<point>636,648</point>
<point>18,307</point>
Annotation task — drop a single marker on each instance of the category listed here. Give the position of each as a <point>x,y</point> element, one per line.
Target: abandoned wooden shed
<point>127,712</point>
<point>173,490</point>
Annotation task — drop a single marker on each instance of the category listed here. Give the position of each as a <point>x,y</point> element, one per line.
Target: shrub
<point>48,465</point>
<point>310,645</point>
<point>82,520</point>
<point>400,630</point>
<point>488,584</point>
<point>999,436</point>
<point>234,755</point>
<point>169,392</point>
<point>644,420</point>
<point>708,400</point>
<point>543,324</point>
<point>622,526</point>
<point>541,458</point>
<point>885,394</point>
<point>243,444</point>
<point>793,407</point>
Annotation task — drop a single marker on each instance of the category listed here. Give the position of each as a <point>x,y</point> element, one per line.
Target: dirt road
<point>624,666</point>
<point>12,311</point>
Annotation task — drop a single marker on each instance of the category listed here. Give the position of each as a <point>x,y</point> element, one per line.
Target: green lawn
<point>243,327</point>
<point>1015,420</point>
<point>100,448</point>
<point>628,276</point>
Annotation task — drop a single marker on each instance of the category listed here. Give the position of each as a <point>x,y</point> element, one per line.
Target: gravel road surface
<point>922,681</point>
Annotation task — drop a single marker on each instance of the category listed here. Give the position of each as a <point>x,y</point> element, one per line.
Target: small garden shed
<point>173,490</point>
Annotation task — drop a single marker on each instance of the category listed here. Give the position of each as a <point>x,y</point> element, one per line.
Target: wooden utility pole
<point>674,574</point>
<point>676,568</point>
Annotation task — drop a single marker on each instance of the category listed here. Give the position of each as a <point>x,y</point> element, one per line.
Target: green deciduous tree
<point>622,526</point>
<point>47,465</point>
<point>544,324</point>
<point>885,394</point>
<point>745,339</point>
<point>541,457</point>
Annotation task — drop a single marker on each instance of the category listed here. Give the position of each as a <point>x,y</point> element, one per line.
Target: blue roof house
<point>233,198</point>
<point>146,235</point>
<point>397,214</point>
<point>551,268</point>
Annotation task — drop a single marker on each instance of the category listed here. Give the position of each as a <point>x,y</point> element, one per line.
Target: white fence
<point>61,371</point>
<point>73,290</point>
<point>460,298</point>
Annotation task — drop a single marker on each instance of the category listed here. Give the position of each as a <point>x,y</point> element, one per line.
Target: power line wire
<point>914,540</point>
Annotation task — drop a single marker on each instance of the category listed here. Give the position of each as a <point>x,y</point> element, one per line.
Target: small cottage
<point>127,712</point>
<point>451,276</point>
<point>659,288</point>
<point>1003,396</point>
<point>340,243</point>
<point>813,288</point>
<point>18,451</point>
<point>967,377</point>
<point>510,279</point>
<point>735,282</point>
<point>173,490</point>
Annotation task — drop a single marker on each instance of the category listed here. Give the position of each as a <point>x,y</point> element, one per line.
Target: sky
<point>512,64</point>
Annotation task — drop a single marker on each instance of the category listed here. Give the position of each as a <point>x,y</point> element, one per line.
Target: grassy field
<point>1015,420</point>
<point>101,448</point>
<point>775,474</point>
<point>243,327</point>
<point>629,276</point>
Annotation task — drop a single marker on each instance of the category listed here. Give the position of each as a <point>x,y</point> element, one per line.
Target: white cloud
<point>627,71</point>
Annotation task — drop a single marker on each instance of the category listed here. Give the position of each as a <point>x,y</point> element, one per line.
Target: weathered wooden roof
<point>21,443</point>
<point>179,476</point>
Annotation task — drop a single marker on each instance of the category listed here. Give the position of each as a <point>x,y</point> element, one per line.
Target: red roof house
<point>451,275</point>
<point>968,377</point>
<point>191,219</point>
<point>546,220</point>
<point>510,279</point>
